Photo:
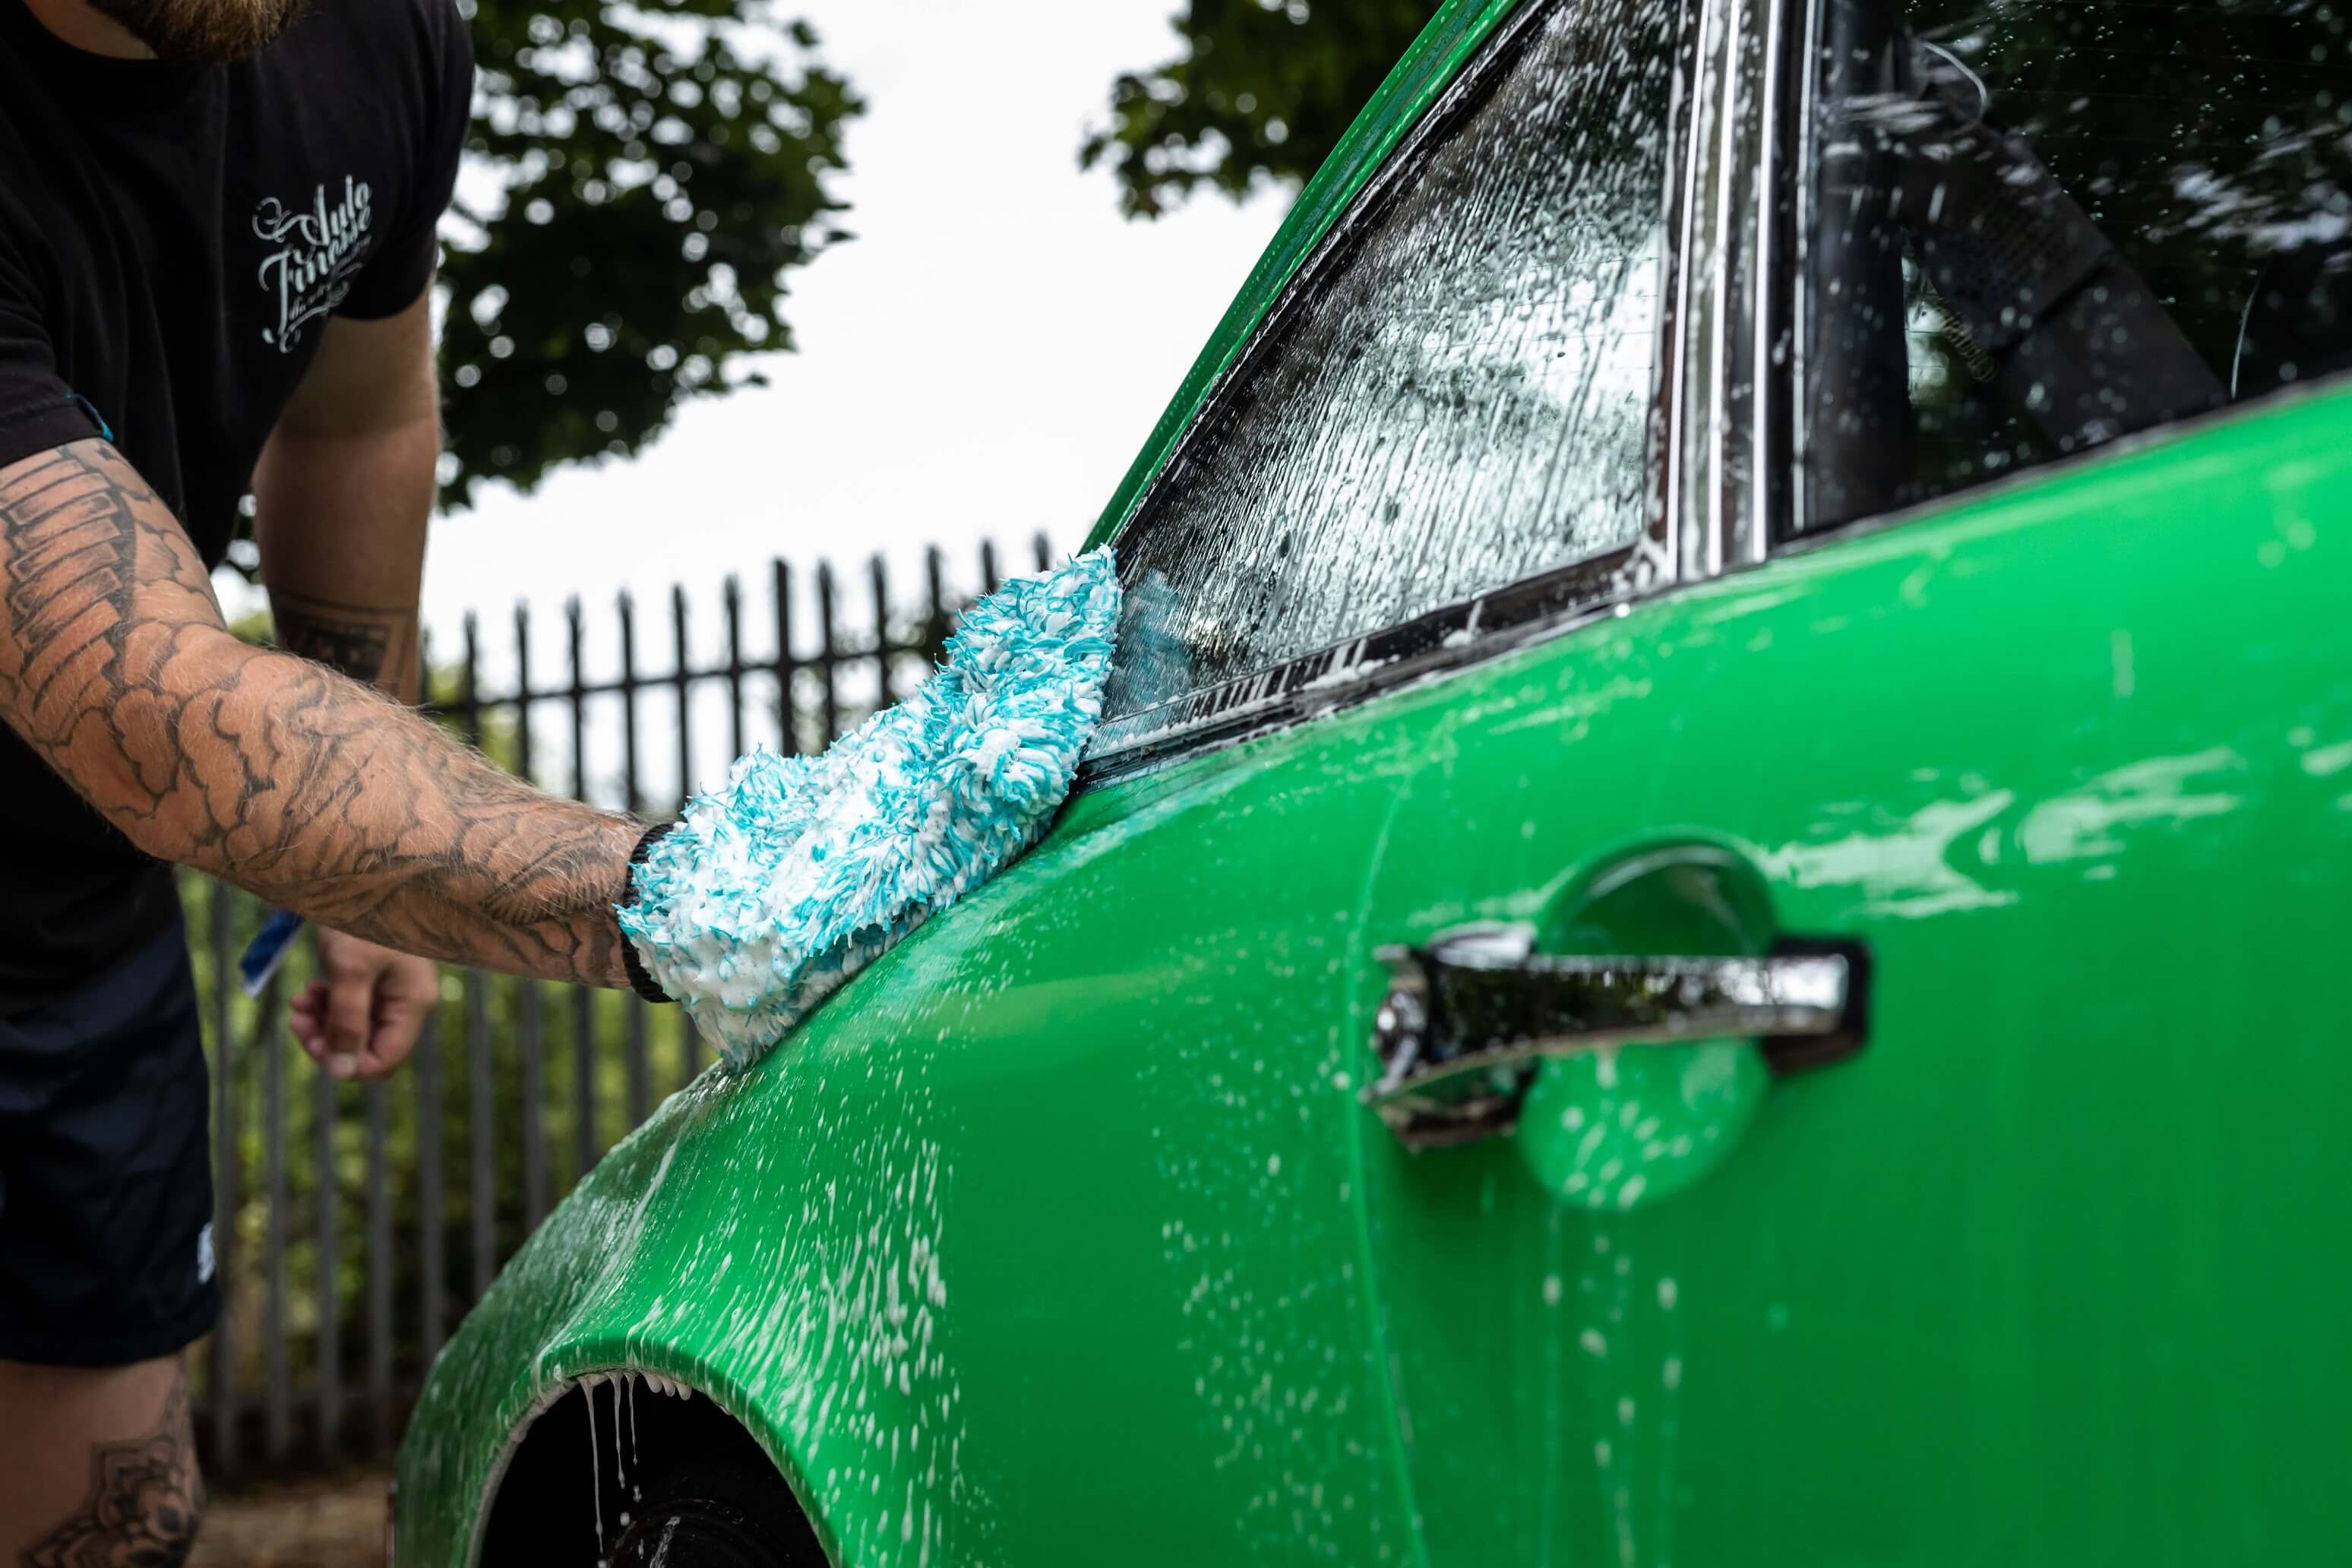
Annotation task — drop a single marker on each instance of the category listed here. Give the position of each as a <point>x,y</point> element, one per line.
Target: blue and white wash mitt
<point>775,889</point>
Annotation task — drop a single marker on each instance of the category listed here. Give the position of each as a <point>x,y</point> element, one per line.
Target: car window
<point>2037,226</point>
<point>1454,397</point>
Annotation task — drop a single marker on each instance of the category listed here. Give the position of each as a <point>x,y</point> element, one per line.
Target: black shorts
<point>106,1183</point>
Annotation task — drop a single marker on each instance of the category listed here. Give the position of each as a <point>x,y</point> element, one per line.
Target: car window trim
<point>1438,642</point>
<point>1471,631</point>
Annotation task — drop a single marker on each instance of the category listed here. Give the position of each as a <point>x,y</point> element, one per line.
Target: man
<point>216,241</point>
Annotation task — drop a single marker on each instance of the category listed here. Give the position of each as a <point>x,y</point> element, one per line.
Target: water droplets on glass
<point>1456,397</point>
<point>2038,224</point>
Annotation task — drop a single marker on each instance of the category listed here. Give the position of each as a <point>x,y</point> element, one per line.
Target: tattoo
<point>271,770</point>
<point>374,647</point>
<point>146,1497</point>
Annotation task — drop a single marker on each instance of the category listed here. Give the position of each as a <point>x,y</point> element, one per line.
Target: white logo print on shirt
<point>320,249</point>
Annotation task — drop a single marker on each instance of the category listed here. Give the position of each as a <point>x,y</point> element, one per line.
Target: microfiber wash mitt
<point>774,890</point>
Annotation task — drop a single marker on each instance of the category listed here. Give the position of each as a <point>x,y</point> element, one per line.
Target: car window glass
<point>1456,401</point>
<point>2040,225</point>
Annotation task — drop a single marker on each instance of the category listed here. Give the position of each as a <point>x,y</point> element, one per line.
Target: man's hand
<point>361,1018</point>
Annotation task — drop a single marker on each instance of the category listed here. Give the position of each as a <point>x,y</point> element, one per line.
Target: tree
<point>1263,92</point>
<point>660,168</point>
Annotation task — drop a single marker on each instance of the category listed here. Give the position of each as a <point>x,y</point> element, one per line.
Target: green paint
<point>1074,1188</point>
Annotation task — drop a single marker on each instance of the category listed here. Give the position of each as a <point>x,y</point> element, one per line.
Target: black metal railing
<point>356,1223</point>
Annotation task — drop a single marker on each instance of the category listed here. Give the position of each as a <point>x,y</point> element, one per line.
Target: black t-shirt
<point>173,237</point>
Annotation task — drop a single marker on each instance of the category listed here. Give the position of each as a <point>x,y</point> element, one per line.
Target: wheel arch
<point>591,1442</point>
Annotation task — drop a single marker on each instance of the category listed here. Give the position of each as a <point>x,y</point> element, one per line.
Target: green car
<point>1706,926</point>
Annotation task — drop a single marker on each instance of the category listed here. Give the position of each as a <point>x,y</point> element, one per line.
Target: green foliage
<point>1263,91</point>
<point>661,169</point>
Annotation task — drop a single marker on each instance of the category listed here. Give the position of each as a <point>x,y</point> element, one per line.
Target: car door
<point>2014,1245</point>
<point>1454,418</point>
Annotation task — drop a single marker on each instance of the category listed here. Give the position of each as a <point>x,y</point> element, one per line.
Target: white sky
<point>985,358</point>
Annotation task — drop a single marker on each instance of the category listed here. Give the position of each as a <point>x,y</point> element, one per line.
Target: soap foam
<point>773,890</point>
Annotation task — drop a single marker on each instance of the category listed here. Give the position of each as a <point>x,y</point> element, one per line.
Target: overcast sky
<point>985,358</point>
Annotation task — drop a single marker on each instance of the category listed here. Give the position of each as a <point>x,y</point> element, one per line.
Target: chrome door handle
<point>1464,1015</point>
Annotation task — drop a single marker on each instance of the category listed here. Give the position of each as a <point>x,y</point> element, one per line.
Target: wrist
<point>640,979</point>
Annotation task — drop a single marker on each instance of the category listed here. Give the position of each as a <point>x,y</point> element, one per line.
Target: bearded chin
<point>214,31</point>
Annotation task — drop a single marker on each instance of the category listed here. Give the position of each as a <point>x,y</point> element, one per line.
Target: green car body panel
<point>1061,1234</point>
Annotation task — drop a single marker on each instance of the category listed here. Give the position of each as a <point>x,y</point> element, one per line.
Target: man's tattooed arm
<point>345,488</point>
<point>267,769</point>
<point>375,647</point>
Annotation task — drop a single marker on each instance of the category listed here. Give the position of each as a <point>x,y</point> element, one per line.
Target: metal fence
<point>355,1223</point>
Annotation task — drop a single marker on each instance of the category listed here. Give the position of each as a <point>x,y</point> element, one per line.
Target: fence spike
<point>935,625</point>
<point>524,695</point>
<point>883,649</point>
<point>470,713</point>
<point>731,597</point>
<point>828,653</point>
<point>575,639</point>
<point>787,721</point>
<point>683,679</point>
<point>635,800</point>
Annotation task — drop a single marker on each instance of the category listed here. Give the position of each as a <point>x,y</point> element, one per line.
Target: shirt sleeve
<point>38,410</point>
<point>402,263</point>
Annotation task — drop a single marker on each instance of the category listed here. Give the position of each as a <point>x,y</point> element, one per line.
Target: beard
<point>213,31</point>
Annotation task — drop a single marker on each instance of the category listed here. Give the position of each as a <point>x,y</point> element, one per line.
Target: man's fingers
<point>350,1020</point>
<point>361,1020</point>
<point>404,996</point>
<point>397,1025</point>
<point>304,1019</point>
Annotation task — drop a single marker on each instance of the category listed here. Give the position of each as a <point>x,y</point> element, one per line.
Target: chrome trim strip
<point>1343,674</point>
<point>1674,382</point>
<point>1755,541</point>
<point>1722,502</point>
<point>1784,493</point>
<point>1797,136</point>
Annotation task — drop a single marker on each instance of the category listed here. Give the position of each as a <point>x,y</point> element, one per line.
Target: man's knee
<point>145,1508</point>
<point>144,1513</point>
<point>139,1498</point>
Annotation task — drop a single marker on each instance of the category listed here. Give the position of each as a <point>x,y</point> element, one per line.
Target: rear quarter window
<point>2037,226</point>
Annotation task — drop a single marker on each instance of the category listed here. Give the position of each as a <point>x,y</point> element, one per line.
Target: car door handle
<point>1464,1015</point>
